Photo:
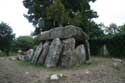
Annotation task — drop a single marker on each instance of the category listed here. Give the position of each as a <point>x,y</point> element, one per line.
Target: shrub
<point>115,44</point>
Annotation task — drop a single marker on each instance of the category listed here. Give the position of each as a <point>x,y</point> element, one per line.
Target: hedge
<point>115,45</point>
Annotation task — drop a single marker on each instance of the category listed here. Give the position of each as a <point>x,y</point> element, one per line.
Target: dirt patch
<point>101,70</point>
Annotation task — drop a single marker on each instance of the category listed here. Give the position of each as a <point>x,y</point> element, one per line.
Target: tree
<point>6,37</point>
<point>46,14</point>
<point>112,29</point>
<point>24,43</point>
<point>95,30</point>
<point>122,28</point>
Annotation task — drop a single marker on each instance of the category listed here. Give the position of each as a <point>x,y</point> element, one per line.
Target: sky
<point>11,12</point>
<point>110,11</point>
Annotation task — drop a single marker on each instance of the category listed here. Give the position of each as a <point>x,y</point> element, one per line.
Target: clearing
<point>102,70</point>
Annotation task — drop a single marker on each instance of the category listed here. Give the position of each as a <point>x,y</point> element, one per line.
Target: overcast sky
<point>11,12</point>
<point>110,11</point>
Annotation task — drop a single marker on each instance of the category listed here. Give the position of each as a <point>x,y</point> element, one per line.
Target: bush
<point>96,45</point>
<point>24,43</point>
<point>115,44</point>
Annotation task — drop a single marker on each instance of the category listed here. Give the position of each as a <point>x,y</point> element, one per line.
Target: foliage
<point>111,29</point>
<point>96,44</point>
<point>46,14</point>
<point>24,43</point>
<point>6,37</point>
<point>115,44</point>
<point>94,30</point>
<point>122,28</point>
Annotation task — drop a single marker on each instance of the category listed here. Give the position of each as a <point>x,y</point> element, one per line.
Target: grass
<point>3,54</point>
<point>28,63</point>
<point>94,62</point>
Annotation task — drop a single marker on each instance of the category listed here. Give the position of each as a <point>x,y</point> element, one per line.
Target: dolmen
<point>62,47</point>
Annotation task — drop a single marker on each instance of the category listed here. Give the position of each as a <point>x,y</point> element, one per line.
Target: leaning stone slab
<point>64,33</point>
<point>68,58</point>
<point>44,53</point>
<point>37,53</point>
<point>55,50</point>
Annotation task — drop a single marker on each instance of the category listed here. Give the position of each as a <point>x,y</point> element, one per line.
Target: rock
<point>67,59</point>
<point>44,53</point>
<point>117,60</point>
<point>87,50</point>
<point>37,53</point>
<point>103,51</point>
<point>80,54</point>
<point>12,58</point>
<point>61,75</point>
<point>30,52</point>
<point>117,65</point>
<point>53,56</point>
<point>54,77</point>
<point>26,56</point>
<point>20,57</point>
<point>87,72</point>
<point>19,51</point>
<point>59,48</point>
<point>27,73</point>
<point>64,33</point>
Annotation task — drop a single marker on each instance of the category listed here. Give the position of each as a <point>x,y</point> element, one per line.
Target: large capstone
<point>37,53</point>
<point>68,58</point>
<point>64,33</point>
<point>44,53</point>
<point>54,53</point>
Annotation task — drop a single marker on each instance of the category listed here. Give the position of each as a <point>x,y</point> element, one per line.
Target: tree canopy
<point>122,28</point>
<point>46,14</point>
<point>24,43</point>
<point>6,37</point>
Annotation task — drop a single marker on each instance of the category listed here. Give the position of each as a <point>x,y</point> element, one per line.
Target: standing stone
<point>103,51</point>
<point>53,56</point>
<point>68,58</point>
<point>44,53</point>
<point>80,54</point>
<point>37,53</point>
<point>29,54</point>
<point>87,49</point>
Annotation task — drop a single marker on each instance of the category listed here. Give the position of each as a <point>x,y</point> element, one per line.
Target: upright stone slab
<point>37,53</point>
<point>29,54</point>
<point>87,49</point>
<point>44,53</point>
<point>53,56</point>
<point>80,54</point>
<point>68,57</point>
